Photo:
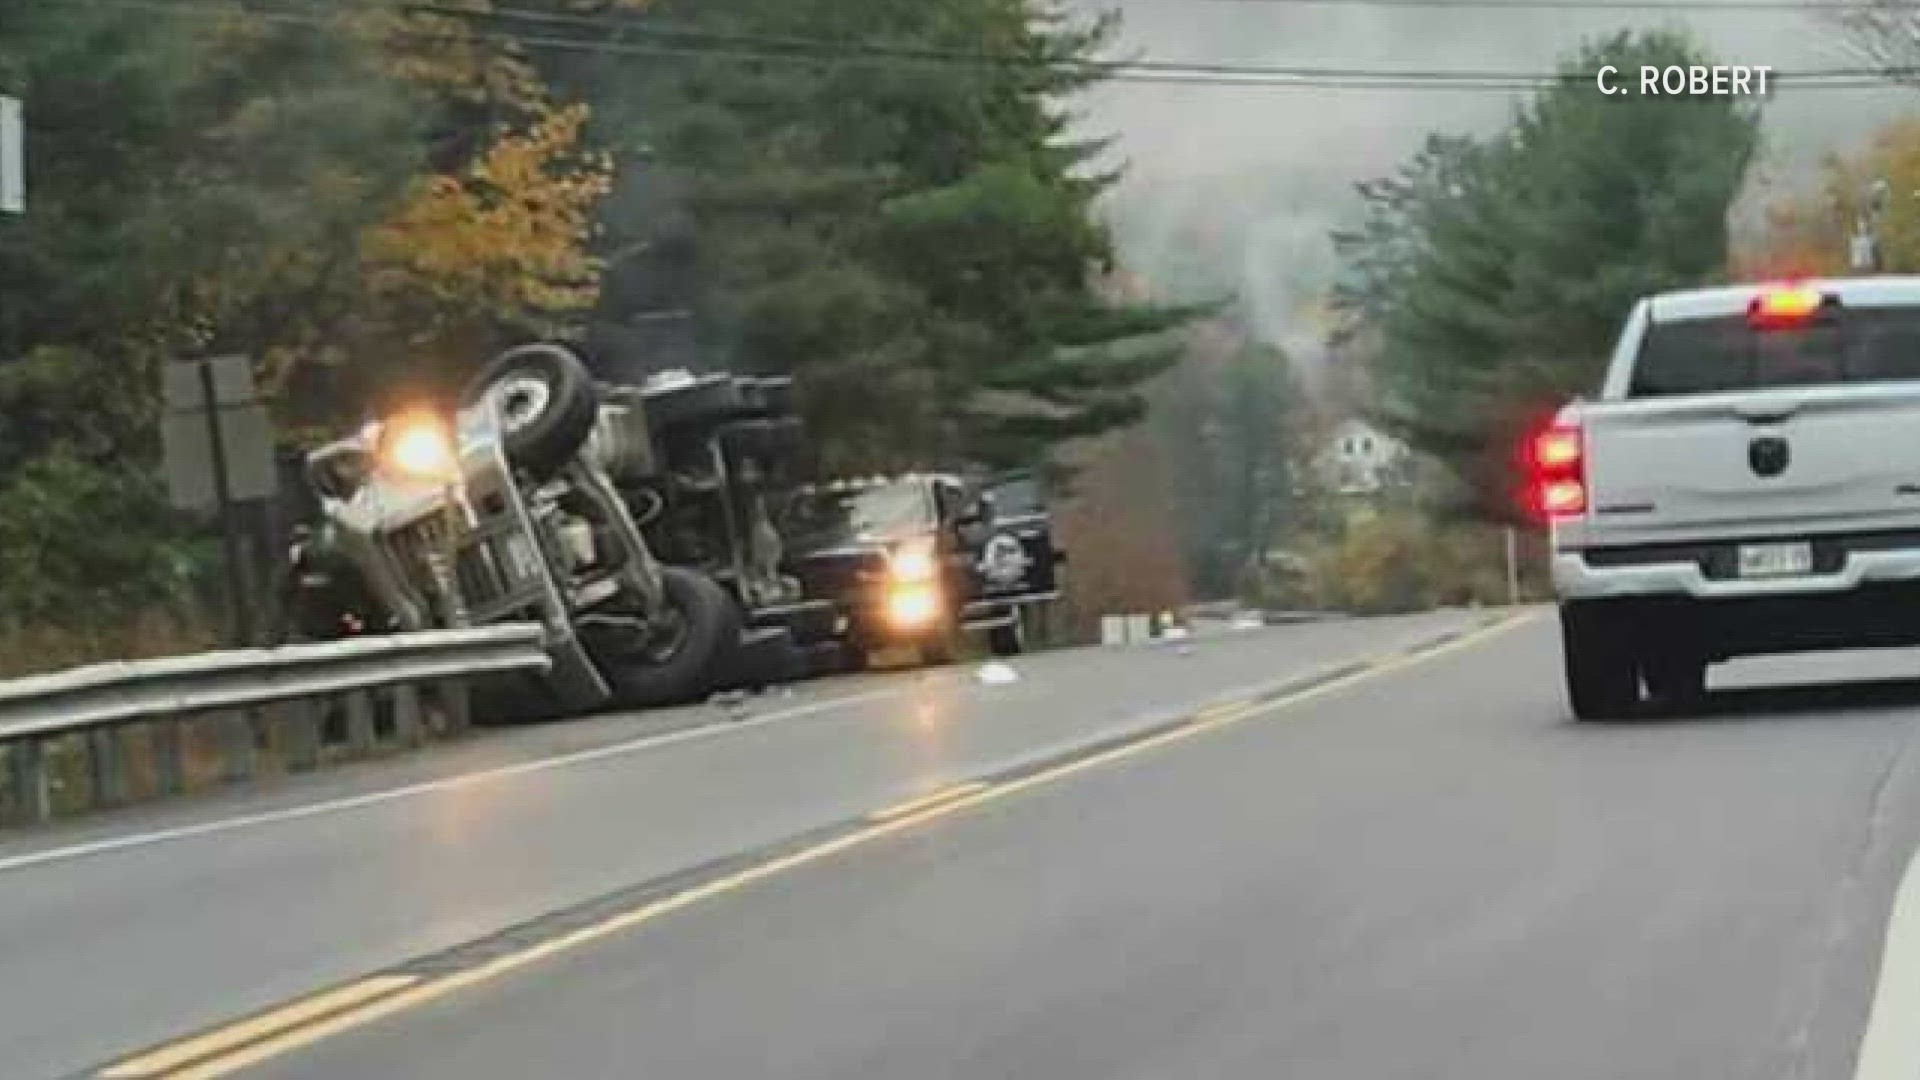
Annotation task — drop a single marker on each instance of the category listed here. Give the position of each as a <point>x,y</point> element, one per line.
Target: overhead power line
<point>633,38</point>
<point>1793,6</point>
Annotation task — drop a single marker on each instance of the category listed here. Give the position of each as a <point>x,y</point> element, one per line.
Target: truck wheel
<point>682,664</point>
<point>1603,677</point>
<point>1678,680</point>
<point>547,402</point>
<point>1009,640</point>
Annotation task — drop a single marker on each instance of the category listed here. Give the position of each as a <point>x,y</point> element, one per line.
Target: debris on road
<point>995,673</point>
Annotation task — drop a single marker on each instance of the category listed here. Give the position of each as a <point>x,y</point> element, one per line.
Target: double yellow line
<point>239,1045</point>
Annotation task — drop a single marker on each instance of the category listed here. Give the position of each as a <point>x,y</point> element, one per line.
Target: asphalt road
<point>1430,872</point>
<point>136,928</point>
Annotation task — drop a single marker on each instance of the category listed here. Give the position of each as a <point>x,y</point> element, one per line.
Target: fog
<point>1236,187</point>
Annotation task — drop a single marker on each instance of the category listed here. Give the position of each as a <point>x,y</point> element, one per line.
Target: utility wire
<point>659,43</point>
<point>1797,6</point>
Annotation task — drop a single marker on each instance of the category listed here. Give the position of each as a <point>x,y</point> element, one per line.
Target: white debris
<point>1174,633</point>
<point>1250,620</point>
<point>995,673</point>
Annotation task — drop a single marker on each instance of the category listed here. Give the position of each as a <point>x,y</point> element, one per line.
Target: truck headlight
<point>419,447</point>
<point>910,607</point>
<point>913,562</point>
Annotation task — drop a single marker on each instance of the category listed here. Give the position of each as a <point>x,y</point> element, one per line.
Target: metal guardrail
<point>285,704</point>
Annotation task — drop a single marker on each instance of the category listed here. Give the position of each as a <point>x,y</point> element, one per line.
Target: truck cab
<point>1747,481</point>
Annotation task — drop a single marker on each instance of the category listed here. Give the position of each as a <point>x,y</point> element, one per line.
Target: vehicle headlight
<point>419,447</point>
<point>913,561</point>
<point>911,607</point>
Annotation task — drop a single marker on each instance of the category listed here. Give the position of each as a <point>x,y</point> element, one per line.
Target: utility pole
<point>1863,251</point>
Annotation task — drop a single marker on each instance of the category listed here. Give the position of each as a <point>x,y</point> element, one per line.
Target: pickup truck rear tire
<point>1677,680</point>
<point>1603,672</point>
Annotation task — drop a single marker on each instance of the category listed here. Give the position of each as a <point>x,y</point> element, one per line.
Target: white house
<point>1360,459</point>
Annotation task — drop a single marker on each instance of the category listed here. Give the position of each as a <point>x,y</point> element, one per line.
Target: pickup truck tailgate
<point>1687,467</point>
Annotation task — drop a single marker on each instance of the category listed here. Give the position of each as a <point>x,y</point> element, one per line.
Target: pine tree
<point>916,238</point>
<point>1491,275</point>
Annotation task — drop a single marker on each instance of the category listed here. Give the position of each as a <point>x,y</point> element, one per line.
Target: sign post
<point>13,157</point>
<point>218,444</point>
<point>1513,567</point>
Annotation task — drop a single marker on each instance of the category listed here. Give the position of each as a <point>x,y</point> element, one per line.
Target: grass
<point>144,635</point>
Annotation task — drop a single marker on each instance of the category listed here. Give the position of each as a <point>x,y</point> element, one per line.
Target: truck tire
<point>1677,680</point>
<point>686,666</point>
<point>548,401</point>
<point>1603,674</point>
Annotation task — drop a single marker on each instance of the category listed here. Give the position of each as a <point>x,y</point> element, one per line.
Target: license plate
<point>1775,560</point>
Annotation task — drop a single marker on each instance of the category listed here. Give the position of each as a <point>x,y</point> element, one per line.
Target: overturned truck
<point>629,521</point>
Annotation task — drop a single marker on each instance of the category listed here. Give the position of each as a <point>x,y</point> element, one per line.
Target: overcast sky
<point>1257,175</point>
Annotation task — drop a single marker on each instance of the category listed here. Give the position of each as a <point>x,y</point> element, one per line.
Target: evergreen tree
<point>911,232</point>
<point>1491,275</point>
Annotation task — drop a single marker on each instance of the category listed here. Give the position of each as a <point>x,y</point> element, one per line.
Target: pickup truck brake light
<point>1558,484</point>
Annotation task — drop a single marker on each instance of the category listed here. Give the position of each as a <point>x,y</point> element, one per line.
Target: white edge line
<point>374,798</point>
<point>1890,1046</point>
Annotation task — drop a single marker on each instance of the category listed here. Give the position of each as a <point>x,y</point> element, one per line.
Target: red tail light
<point>1557,464</point>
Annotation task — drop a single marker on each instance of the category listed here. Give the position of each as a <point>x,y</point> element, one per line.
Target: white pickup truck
<point>1747,482</point>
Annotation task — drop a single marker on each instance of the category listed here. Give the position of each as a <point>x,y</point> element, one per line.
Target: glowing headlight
<point>912,606</point>
<point>419,448</point>
<point>913,561</point>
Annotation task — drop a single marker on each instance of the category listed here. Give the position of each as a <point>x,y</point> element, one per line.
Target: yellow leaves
<point>469,60</point>
<point>442,53</point>
<point>509,234</point>
<point>1808,233</point>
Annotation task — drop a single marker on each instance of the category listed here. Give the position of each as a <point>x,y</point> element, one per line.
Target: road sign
<point>13,157</point>
<point>211,402</point>
<point>218,447</point>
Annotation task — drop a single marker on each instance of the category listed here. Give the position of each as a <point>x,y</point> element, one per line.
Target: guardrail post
<point>360,721</point>
<point>107,767</point>
<point>407,728</point>
<point>27,761</point>
<point>167,766</point>
<point>455,699</point>
<point>236,738</point>
<point>301,725</point>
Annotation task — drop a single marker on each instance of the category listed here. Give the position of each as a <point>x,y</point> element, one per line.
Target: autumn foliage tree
<point>1807,232</point>
<point>353,195</point>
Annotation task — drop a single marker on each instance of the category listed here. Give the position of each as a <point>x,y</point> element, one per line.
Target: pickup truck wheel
<point>547,403</point>
<point>684,662</point>
<point>1677,680</point>
<point>1603,677</point>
